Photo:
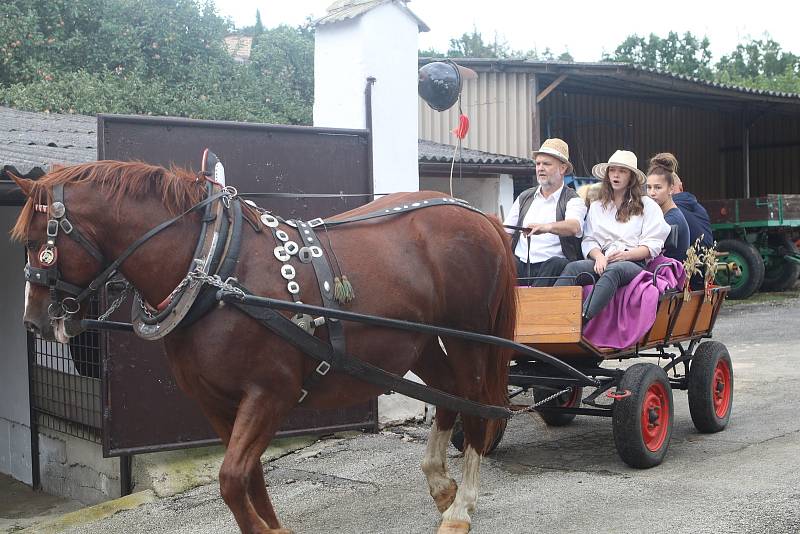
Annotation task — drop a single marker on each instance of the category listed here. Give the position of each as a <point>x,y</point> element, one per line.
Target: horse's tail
<point>504,324</point>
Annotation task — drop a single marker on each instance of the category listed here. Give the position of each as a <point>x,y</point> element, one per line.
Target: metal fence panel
<point>143,409</point>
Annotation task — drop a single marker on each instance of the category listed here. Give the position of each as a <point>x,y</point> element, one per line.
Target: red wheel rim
<point>571,401</point>
<point>655,416</point>
<point>721,388</point>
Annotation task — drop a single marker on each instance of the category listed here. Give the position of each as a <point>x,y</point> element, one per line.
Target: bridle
<point>49,274</point>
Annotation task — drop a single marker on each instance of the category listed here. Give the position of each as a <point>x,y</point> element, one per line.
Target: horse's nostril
<point>30,327</point>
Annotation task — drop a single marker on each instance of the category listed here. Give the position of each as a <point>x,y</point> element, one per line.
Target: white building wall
<point>381,43</point>
<point>493,195</point>
<point>14,408</point>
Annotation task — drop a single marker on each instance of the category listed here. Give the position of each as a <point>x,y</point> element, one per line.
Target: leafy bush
<point>159,57</point>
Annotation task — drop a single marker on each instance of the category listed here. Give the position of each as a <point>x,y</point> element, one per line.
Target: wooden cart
<point>638,398</point>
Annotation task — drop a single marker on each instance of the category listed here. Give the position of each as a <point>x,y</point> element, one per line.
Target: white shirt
<point>603,231</point>
<point>543,211</point>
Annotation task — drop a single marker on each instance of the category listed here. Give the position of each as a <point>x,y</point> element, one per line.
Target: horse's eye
<point>32,246</point>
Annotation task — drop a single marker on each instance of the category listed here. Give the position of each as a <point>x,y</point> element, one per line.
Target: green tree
<point>163,57</point>
<point>685,55</point>
<point>258,29</point>
<point>757,58</point>
<point>283,58</point>
<point>473,45</point>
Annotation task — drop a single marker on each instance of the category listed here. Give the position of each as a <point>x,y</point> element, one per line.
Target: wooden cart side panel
<point>659,329</point>
<point>548,315</point>
<point>686,316</point>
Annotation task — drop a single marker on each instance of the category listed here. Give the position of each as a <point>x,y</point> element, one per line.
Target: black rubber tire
<point>649,390</point>
<point>784,275</point>
<point>457,437</point>
<point>571,399</point>
<point>754,267</point>
<point>710,369</point>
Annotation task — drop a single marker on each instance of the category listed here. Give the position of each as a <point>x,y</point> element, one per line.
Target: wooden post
<point>746,152</point>
<point>536,121</point>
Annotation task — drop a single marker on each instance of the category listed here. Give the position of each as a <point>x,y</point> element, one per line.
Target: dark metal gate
<point>143,409</point>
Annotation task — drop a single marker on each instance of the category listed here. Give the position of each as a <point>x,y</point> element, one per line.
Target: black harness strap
<point>207,298</point>
<point>324,274</point>
<point>404,208</point>
<point>322,352</point>
<point>111,269</point>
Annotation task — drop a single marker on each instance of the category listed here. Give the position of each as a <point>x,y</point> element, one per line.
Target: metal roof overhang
<point>430,168</point>
<point>627,81</point>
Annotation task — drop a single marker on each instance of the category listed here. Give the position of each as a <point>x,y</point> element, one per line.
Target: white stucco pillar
<point>380,43</point>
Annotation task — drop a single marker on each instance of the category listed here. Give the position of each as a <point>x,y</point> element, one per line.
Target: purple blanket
<point>632,311</point>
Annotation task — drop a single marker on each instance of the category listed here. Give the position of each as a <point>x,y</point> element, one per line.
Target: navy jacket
<point>675,217</point>
<point>696,217</point>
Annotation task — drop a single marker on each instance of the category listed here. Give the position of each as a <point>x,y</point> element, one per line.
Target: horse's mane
<point>178,188</point>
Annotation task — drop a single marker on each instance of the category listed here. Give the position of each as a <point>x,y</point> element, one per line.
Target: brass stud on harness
<point>291,248</point>
<point>281,253</point>
<point>57,209</point>
<point>283,236</point>
<point>269,220</point>
<point>288,272</point>
<point>293,287</point>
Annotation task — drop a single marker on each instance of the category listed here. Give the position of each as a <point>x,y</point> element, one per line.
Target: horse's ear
<point>23,183</point>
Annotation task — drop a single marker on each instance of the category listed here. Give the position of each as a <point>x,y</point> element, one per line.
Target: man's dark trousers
<point>551,267</point>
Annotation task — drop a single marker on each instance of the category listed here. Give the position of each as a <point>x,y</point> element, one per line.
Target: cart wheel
<point>457,437</point>
<point>780,274</point>
<point>643,420</point>
<point>710,387</point>
<point>570,399</point>
<point>750,264</point>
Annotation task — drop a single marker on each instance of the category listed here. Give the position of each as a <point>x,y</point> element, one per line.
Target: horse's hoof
<point>280,531</point>
<point>453,527</point>
<point>446,497</point>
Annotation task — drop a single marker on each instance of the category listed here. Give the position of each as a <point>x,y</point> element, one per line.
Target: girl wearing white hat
<point>624,229</point>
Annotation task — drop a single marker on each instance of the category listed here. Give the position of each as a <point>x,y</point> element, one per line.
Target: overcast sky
<point>585,28</point>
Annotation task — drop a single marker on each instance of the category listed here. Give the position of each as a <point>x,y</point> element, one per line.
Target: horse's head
<point>63,259</point>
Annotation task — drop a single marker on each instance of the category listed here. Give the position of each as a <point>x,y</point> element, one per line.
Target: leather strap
<point>324,275</point>
<point>319,350</point>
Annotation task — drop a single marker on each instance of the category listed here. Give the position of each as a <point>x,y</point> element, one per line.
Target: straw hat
<point>558,149</point>
<point>621,158</point>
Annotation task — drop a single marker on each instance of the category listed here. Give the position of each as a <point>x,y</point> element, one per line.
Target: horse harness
<point>210,275</point>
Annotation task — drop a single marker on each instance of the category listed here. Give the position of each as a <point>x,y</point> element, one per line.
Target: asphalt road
<point>744,479</point>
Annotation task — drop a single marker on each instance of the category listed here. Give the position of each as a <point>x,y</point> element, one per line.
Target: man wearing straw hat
<point>549,218</point>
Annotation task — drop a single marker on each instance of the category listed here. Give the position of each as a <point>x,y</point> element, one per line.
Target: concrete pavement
<point>745,479</point>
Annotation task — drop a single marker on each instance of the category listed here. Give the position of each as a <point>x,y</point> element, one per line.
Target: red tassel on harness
<point>461,130</point>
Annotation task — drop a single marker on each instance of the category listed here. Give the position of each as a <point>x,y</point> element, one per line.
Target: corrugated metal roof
<point>717,85</point>
<point>623,71</point>
<point>350,9</point>
<point>31,142</point>
<point>430,152</point>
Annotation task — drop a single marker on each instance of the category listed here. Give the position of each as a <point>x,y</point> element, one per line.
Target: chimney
<point>359,39</point>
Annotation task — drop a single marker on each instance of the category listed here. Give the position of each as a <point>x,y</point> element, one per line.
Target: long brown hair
<point>666,165</point>
<point>632,203</point>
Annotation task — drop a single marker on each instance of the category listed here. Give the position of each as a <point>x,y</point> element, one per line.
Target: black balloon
<point>439,84</point>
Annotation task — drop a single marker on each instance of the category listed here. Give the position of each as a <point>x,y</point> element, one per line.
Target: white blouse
<point>603,231</point>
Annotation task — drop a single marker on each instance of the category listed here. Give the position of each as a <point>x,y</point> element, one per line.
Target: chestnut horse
<point>442,265</point>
